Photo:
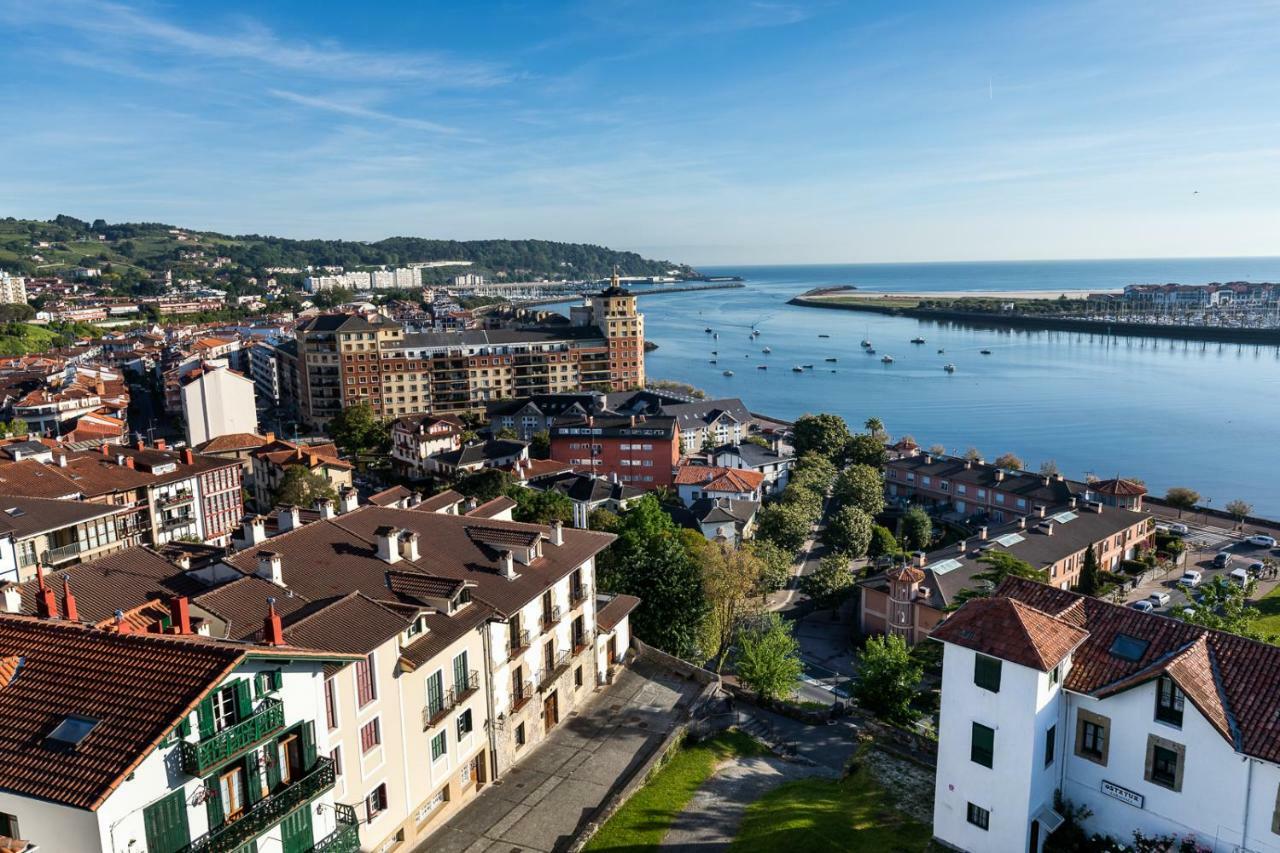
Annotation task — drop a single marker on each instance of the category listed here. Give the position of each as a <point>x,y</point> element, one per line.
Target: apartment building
<point>13,288</point>
<point>911,600</point>
<point>217,401</point>
<point>264,369</point>
<point>972,487</point>
<point>633,449</point>
<point>417,438</point>
<point>346,359</point>
<point>1150,723</point>
<point>119,741</point>
<point>694,482</point>
<point>272,459</point>
<point>49,532</point>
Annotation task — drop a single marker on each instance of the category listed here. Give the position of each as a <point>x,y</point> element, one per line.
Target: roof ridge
<point>1237,735</point>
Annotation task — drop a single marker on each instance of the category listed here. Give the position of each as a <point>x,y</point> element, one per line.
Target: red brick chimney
<point>46,604</point>
<point>140,444</point>
<point>180,614</point>
<point>128,462</point>
<point>272,628</point>
<point>188,458</point>
<point>106,451</point>
<point>122,627</point>
<point>69,610</point>
<point>160,444</point>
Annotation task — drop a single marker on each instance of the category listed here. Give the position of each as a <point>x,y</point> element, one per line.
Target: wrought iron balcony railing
<point>344,839</point>
<point>267,812</point>
<point>199,756</point>
<point>561,664</point>
<point>433,713</point>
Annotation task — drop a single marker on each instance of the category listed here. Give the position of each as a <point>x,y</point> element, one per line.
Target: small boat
<point>766,350</point>
<point>716,336</point>
<point>715,352</point>
<point>755,333</point>
<point>950,368</point>
<point>797,370</point>
<point>887,359</point>
<point>824,336</point>
<point>941,351</point>
<point>986,352</point>
<point>807,366</point>
<point>707,330</point>
<point>713,361</point>
<point>917,340</point>
<point>762,367</point>
<point>866,343</point>
<point>833,371</point>
<point>833,359</point>
<point>728,373</point>
<point>870,351</point>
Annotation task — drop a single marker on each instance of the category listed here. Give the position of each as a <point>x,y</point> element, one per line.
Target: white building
<point>264,367</point>
<point>1153,724</point>
<point>13,288</point>
<point>216,402</point>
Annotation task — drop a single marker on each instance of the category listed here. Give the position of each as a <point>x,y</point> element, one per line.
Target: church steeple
<point>614,281</point>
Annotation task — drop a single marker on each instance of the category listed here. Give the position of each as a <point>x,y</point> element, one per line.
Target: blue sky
<point>707,132</point>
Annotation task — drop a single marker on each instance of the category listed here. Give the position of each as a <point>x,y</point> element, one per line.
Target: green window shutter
<point>309,745</point>
<point>184,728</point>
<point>244,702</point>
<point>205,718</point>
<point>277,679</point>
<point>253,780</point>
<point>213,805</point>
<point>273,765</point>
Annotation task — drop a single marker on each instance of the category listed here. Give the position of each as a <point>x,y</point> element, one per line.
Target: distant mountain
<point>132,249</point>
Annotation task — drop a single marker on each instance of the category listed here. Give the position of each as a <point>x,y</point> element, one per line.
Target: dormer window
<point>1169,699</point>
<point>417,626</point>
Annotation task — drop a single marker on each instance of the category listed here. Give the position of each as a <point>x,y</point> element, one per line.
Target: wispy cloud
<point>355,110</point>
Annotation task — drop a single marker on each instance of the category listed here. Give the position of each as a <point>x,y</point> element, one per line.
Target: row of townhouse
<point>463,640</point>
<point>1143,722</point>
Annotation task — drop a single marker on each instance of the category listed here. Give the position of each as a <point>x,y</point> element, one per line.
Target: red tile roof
<point>608,617</point>
<point>493,508</point>
<point>1119,487</point>
<point>716,479</point>
<point>232,441</point>
<point>1010,630</point>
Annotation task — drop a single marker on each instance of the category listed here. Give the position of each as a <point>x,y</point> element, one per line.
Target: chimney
<point>46,606</point>
<point>140,444</point>
<point>161,444</point>
<point>1048,528</point>
<point>928,459</point>
<point>1072,503</point>
<point>69,610</point>
<point>120,459</point>
<point>388,551</point>
<point>106,450</point>
<point>1044,481</point>
<point>414,499</point>
<point>348,500</point>
<point>272,628</point>
<point>324,506</point>
<point>128,462</point>
<point>1022,522</point>
<point>12,599</point>
<point>287,518</point>
<point>982,532</point>
<point>180,614</point>
<point>254,531</point>
<point>271,567</point>
<point>962,545</point>
<point>999,475</point>
<point>270,437</point>
<point>919,559</point>
<point>409,545</point>
<point>188,457</point>
<point>62,460</point>
<point>507,566</point>
<point>557,532</point>
<point>1040,511</point>
<point>122,627</point>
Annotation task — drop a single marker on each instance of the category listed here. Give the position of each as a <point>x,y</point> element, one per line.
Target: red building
<point>642,452</point>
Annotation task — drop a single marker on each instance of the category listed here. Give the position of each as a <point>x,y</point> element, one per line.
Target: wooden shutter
<point>204,718</point>
<point>273,765</point>
<point>213,805</point>
<point>244,701</point>
<point>460,672</point>
<point>277,679</point>
<point>308,746</point>
<point>165,822</point>
<point>253,778</point>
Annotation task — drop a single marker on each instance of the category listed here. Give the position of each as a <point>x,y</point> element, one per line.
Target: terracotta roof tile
<point>608,616</point>
<point>439,502</point>
<point>493,508</point>
<point>125,580</point>
<point>1010,630</point>
<point>354,624</point>
<point>37,480</point>
<point>720,479</point>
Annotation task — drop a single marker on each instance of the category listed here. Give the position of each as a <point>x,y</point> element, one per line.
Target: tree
<point>864,449</point>
<point>917,527</point>
<point>938,449</point>
<point>824,434</point>
<point>1009,461</point>
<point>672,606</point>
<point>1003,565</point>
<point>875,428</point>
<point>759,441</point>
<point>300,486</point>
<point>730,578</point>
<point>830,583</point>
<point>1239,509</point>
<point>812,471</point>
<point>1049,468</point>
<point>18,427</point>
<point>887,679</point>
<point>1223,605</point>
<point>540,446</point>
<point>357,431</point>
<point>775,564</point>
<point>1180,498</point>
<point>860,486</point>
<point>603,520</point>
<point>539,507</point>
<point>484,485</point>
<point>883,543</point>
<point>973,454</point>
<point>1090,581</point>
<point>849,531</point>
<point>507,433</point>
<point>784,524</point>
<point>768,658</point>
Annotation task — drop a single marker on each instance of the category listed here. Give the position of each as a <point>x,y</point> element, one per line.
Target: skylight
<point>1129,648</point>
<point>1010,539</point>
<point>945,566</point>
<point>1064,517</point>
<point>15,512</point>
<point>71,732</point>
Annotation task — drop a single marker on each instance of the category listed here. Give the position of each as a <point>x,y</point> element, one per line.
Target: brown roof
<point>1012,631</point>
<point>124,580</point>
<point>97,474</point>
<point>1119,487</point>
<point>242,604</point>
<point>354,624</point>
<point>419,586</point>
<point>439,502</point>
<point>25,516</point>
<point>717,479</point>
<point>905,574</point>
<point>608,617</point>
<point>285,453</point>
<point>493,508</point>
<point>386,497</point>
<point>36,479</point>
<point>231,441</point>
<point>443,631</point>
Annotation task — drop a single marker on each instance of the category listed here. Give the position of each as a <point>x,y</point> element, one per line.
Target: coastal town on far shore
<point>375,557</point>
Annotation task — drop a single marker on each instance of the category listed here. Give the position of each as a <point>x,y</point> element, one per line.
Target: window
<point>1129,648</point>
<point>1050,744</point>
<point>439,746</point>
<point>460,673</point>
<point>1168,702</point>
<point>979,817</point>
<point>1164,762</point>
<point>376,803</point>
<point>435,693</point>
<point>231,790</point>
<point>1091,736</point>
<point>983,744</point>
<point>986,673</point>
<point>577,677</point>
<point>370,735</point>
<point>520,735</point>
<point>437,800</point>
<point>464,724</point>
<point>9,825</point>
<point>331,703</point>
<point>224,708</point>
<point>335,755</point>
<point>366,688</point>
<point>1055,674</point>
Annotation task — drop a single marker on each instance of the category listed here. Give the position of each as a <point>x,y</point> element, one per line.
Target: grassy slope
<point>1269,605</point>
<point>32,339</point>
<point>645,819</point>
<point>816,815</point>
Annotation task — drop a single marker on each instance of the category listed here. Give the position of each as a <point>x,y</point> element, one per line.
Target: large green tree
<point>824,434</point>
<point>1090,578</point>
<point>768,659</point>
<point>540,507</point>
<point>785,525</point>
<point>887,680</point>
<point>730,581</point>
<point>848,531</point>
<point>358,431</point>
<point>672,606</point>
<point>917,528</point>
<point>830,582</point>
<point>300,486</point>
<point>882,543</point>
<point>1224,606</point>
<point>861,486</point>
<point>775,564</point>
<point>1001,565</point>
<point>484,485</point>
<point>865,449</point>
<point>1181,498</point>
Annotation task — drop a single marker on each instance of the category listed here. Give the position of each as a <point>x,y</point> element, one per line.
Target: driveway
<point>541,802</point>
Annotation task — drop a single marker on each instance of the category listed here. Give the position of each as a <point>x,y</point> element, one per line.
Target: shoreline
<point>980,319</point>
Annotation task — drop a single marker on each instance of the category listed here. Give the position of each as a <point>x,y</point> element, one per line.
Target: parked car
<point>1191,578</point>
<point>1158,599</point>
<point>1256,567</point>
<point>1144,606</point>
<point>1262,540</point>
<point>1177,528</point>
<point>1239,576</point>
<point>1221,560</point>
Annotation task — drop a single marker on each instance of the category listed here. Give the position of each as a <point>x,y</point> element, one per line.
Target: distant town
<point>303,555</point>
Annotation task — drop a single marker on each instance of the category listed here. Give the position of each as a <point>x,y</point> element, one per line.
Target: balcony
<point>175,499</point>
<point>558,669</point>
<point>344,839</point>
<point>578,594</point>
<point>550,618</point>
<point>267,812</point>
<point>199,756</point>
<point>582,642</point>
<point>453,697</point>
<point>519,641</point>
<point>521,695</point>
<point>167,524</point>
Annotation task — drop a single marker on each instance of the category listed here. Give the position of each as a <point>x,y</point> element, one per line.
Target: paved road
<point>1203,544</point>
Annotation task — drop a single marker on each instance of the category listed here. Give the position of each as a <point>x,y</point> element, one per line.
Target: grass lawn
<point>816,815</point>
<point>1269,606</point>
<point>646,817</point>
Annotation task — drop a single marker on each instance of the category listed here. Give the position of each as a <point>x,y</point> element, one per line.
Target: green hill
<point>134,250</point>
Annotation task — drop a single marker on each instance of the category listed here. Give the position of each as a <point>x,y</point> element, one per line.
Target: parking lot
<point>1203,544</point>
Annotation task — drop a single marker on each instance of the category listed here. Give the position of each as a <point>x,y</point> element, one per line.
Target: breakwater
<point>637,291</point>
<point>1002,320</point>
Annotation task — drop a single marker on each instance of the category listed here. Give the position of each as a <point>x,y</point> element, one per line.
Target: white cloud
<point>355,110</point>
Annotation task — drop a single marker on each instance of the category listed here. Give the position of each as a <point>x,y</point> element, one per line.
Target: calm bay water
<point>1169,412</point>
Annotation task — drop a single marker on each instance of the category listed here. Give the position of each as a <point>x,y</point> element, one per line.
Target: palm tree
<point>875,426</point>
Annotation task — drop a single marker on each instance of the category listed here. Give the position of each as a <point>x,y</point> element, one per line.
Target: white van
<point>1191,578</point>
<point>1239,576</point>
<point>1158,599</point>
